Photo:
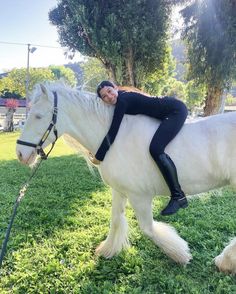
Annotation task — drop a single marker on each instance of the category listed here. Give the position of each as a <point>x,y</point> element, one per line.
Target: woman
<point>172,114</point>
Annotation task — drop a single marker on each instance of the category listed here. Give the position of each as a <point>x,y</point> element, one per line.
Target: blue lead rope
<point>43,156</point>
<point>17,203</point>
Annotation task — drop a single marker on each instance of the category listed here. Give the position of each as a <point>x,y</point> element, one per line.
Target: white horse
<point>200,152</point>
<point>226,261</point>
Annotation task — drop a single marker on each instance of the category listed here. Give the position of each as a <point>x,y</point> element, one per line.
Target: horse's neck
<point>84,124</point>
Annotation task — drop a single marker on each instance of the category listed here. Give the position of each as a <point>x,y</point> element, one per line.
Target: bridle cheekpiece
<point>52,126</point>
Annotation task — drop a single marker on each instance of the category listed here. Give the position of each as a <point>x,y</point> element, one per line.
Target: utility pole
<point>29,50</point>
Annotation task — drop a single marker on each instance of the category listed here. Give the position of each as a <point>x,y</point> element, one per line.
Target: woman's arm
<point>114,128</point>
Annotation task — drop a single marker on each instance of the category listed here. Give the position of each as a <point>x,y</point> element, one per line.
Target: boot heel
<point>174,205</point>
<point>183,203</point>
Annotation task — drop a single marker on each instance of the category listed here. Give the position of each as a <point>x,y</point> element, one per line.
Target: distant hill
<point>3,75</point>
<point>179,52</point>
<point>76,69</point>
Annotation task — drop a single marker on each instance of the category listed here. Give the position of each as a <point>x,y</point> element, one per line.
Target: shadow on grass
<point>207,225</point>
<point>61,188</point>
<point>64,200</point>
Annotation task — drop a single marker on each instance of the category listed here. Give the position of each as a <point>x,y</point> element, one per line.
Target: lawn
<point>65,215</point>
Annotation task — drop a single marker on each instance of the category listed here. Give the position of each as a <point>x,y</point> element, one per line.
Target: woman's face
<point>109,94</point>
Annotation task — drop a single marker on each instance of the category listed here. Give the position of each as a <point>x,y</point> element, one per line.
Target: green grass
<point>65,215</point>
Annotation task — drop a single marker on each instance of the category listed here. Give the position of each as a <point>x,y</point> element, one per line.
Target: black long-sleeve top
<point>129,103</point>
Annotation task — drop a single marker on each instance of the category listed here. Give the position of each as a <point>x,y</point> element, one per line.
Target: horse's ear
<point>44,89</point>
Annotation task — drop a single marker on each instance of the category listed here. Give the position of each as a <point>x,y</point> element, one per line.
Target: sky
<point>26,22</point>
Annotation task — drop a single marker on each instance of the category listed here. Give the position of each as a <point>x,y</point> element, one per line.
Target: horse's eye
<point>38,116</point>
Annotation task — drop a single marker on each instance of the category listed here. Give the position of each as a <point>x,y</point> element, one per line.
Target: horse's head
<point>39,130</point>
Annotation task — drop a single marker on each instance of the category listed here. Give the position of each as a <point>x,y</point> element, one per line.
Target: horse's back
<point>199,151</point>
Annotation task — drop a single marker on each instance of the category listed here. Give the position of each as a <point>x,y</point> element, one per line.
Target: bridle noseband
<point>52,125</point>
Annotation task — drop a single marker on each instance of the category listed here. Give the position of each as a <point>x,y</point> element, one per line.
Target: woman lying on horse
<point>172,114</point>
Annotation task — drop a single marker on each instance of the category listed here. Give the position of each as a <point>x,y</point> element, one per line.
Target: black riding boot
<point>169,172</point>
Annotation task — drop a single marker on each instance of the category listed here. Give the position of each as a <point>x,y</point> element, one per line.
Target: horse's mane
<point>87,100</point>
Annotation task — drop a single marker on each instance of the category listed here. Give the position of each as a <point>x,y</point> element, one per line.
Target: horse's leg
<point>162,234</point>
<point>226,261</point>
<point>117,238</point>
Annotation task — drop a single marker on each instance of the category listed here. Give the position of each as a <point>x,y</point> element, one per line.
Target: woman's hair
<point>120,88</point>
<point>102,85</point>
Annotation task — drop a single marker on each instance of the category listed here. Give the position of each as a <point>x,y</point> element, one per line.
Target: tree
<point>210,32</point>
<point>93,73</point>
<point>175,88</point>
<point>155,82</point>
<point>63,73</point>
<point>15,81</point>
<point>14,84</point>
<point>195,96</point>
<point>128,37</point>
<point>11,105</point>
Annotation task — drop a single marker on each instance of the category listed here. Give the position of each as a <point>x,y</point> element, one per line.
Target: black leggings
<point>174,113</point>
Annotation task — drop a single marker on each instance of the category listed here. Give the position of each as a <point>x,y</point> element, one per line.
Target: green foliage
<point>229,99</point>
<point>180,57</point>
<point>15,82</point>
<point>191,93</point>
<point>93,73</point>
<point>129,37</point>
<point>16,79</point>
<point>6,88</point>
<point>175,88</point>
<point>63,73</point>
<point>210,32</point>
<point>195,95</point>
<point>66,213</point>
<point>156,81</point>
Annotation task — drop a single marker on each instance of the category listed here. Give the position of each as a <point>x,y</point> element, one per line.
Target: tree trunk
<point>124,75</point>
<point>214,101</point>
<point>8,123</point>
<point>112,73</point>
<point>110,68</point>
<point>130,68</point>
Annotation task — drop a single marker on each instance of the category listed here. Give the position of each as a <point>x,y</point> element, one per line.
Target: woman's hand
<point>93,159</point>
